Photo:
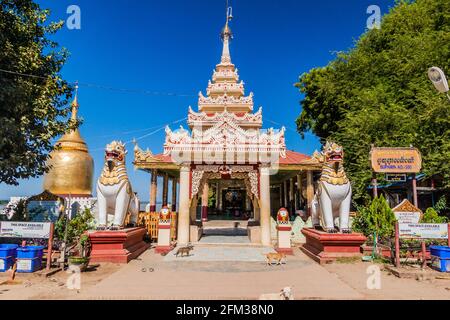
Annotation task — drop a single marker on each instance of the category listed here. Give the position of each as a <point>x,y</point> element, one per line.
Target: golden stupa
<point>71,165</point>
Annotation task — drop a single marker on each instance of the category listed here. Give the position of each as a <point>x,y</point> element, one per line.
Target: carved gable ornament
<point>406,212</point>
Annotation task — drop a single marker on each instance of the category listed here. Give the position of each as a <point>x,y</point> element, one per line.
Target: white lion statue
<point>114,192</point>
<point>334,192</point>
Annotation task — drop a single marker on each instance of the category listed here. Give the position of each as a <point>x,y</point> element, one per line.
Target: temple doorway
<point>234,204</point>
<point>228,200</point>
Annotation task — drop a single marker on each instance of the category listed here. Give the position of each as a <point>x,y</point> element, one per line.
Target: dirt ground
<point>37,287</point>
<point>392,287</point>
<point>152,277</point>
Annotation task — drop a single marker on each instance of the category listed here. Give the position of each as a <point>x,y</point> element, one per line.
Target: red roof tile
<point>293,157</point>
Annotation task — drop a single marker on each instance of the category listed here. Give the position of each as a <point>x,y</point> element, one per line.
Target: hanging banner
<point>423,231</point>
<point>19,229</point>
<point>396,160</point>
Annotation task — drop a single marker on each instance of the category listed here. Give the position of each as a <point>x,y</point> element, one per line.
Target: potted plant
<point>80,253</point>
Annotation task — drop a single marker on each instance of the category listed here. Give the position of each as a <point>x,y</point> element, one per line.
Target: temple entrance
<point>234,204</point>
<point>227,200</point>
<point>224,207</point>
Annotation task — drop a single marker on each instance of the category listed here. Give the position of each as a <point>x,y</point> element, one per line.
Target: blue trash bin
<point>8,250</point>
<point>440,257</point>
<point>6,263</point>
<point>8,254</point>
<point>29,265</point>
<point>30,252</point>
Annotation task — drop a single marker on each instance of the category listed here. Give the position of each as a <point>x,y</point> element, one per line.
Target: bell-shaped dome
<point>71,165</point>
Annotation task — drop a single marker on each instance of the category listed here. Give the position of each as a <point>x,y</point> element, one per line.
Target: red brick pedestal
<point>325,247</point>
<point>117,246</point>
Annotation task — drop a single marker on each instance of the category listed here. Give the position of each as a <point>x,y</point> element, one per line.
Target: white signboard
<point>407,217</point>
<point>423,231</point>
<point>16,229</point>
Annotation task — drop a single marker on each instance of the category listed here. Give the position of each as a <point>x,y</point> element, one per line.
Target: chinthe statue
<point>334,192</point>
<point>114,192</point>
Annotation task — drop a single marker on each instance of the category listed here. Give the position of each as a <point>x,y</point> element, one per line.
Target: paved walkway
<point>220,232</point>
<point>222,253</point>
<point>156,277</point>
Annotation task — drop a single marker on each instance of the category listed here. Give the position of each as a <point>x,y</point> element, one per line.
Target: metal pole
<point>448,234</point>
<point>63,252</point>
<point>50,247</point>
<point>397,246</point>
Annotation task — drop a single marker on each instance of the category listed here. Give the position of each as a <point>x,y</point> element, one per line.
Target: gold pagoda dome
<point>71,165</point>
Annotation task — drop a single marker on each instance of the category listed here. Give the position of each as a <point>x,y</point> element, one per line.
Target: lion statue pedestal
<point>325,242</point>
<point>119,246</point>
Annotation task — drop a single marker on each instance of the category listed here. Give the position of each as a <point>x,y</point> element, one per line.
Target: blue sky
<point>172,46</point>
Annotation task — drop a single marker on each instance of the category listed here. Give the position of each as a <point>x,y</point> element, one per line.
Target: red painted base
<point>325,247</point>
<point>163,249</point>
<point>117,246</point>
<point>287,251</point>
<point>204,214</point>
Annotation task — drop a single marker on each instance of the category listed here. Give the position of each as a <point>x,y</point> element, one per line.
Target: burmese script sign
<point>423,230</point>
<point>396,160</point>
<point>406,212</point>
<point>407,217</point>
<point>36,230</point>
<point>393,177</point>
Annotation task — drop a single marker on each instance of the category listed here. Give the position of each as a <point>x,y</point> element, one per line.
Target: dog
<point>284,294</point>
<point>275,256</point>
<point>185,250</point>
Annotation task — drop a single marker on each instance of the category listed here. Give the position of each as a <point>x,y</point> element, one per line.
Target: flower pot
<point>81,262</point>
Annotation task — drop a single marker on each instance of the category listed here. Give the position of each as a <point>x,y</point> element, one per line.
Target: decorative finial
<point>226,32</point>
<point>75,103</point>
<point>227,35</point>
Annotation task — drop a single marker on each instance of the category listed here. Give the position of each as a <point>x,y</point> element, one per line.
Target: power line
<point>104,87</point>
<point>148,134</point>
<point>290,128</point>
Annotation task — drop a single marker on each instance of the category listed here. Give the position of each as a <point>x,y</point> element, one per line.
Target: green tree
<point>76,227</point>
<point>33,107</point>
<point>377,218</point>
<point>378,92</point>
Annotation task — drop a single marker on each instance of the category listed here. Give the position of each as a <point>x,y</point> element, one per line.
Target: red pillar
<point>174,194</point>
<point>153,190</point>
<point>165,195</point>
